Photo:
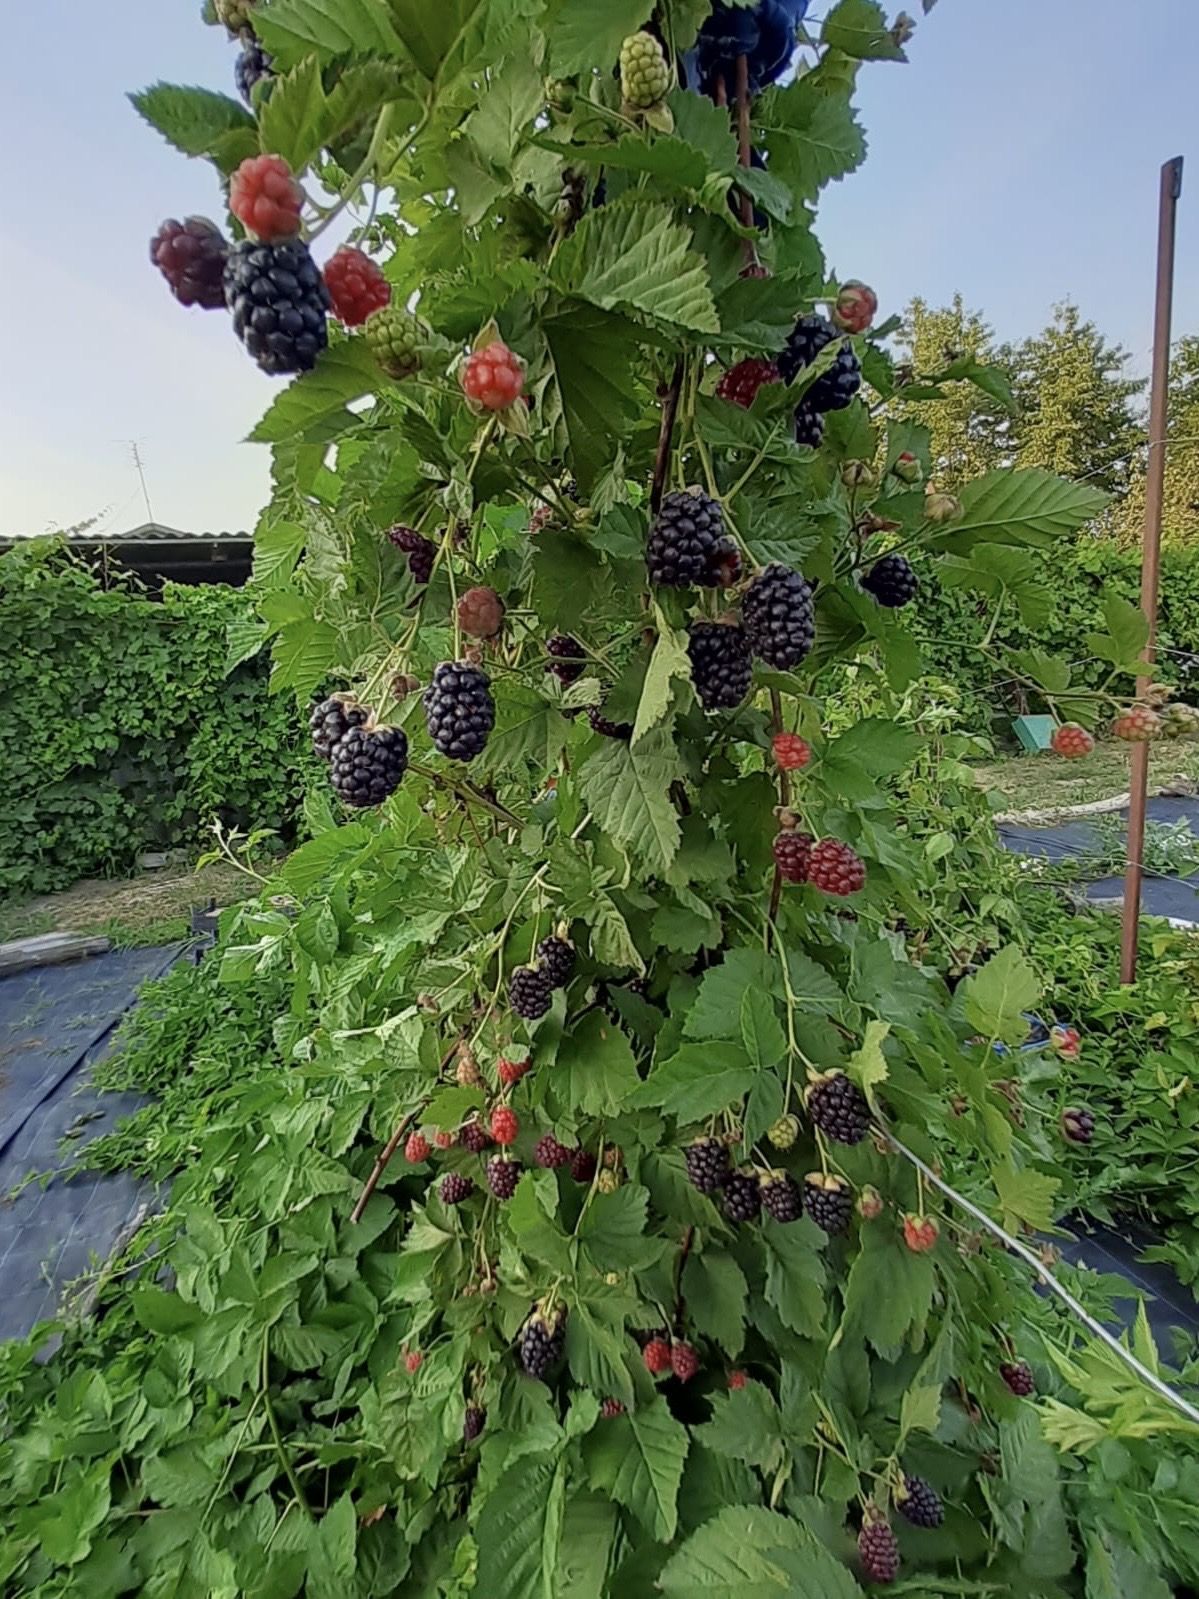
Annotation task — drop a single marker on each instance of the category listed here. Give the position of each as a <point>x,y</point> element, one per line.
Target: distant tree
<point>1080,412</point>
<point>970,432</point>
<point>1180,517</point>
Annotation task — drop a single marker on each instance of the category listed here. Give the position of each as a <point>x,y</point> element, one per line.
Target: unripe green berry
<point>644,73</point>
<point>784,1132</point>
<point>235,14</point>
<point>396,339</point>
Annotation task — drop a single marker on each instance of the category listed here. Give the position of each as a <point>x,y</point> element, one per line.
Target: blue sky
<point>1015,159</point>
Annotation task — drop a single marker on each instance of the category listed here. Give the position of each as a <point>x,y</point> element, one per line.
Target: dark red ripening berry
<point>503,1175</point>
<point>475,1137</point>
<point>356,286</point>
<point>551,1153</point>
<point>834,868</point>
<point>191,257</point>
<point>684,1362</point>
<point>1017,1374</point>
<point>792,850</point>
<point>740,384</point>
<point>878,1548</point>
<point>583,1165</point>
<point>455,1188</point>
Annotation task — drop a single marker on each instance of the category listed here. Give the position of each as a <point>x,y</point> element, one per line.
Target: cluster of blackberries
<point>530,988</point>
<point>366,763</point>
<point>253,64</point>
<point>459,710</point>
<point>421,552</point>
<point>745,1194</point>
<point>689,546</point>
<point>832,390</point>
<point>765,34</point>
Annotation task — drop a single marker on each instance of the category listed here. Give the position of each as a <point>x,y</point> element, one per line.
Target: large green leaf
<point>193,120</point>
<point>996,997</point>
<point>595,1069</point>
<point>313,407</point>
<point>1024,506</point>
<point>583,33</point>
<point>593,356</point>
<point>633,257</point>
<point>698,1081</point>
<point>595,1351</point>
<point>745,1425</point>
<point>291,29</point>
<point>890,1291</point>
<point>715,1290</point>
<point>332,1559</point>
<point>518,1532</point>
<point>732,1557</point>
<point>859,28</point>
<point>638,1460</point>
<point>628,791</point>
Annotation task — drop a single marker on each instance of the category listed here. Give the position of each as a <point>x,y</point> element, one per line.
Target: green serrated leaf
<point>638,1460</point>
<point>859,28</point>
<point>291,29</point>
<point>732,1557</point>
<point>193,120</point>
<point>512,1531</point>
<point>715,1290</point>
<point>698,1081</point>
<point>628,792</point>
<point>745,1425</point>
<point>761,1031</point>
<point>997,997</point>
<point>669,662</point>
<point>638,258</point>
<point>595,1069</point>
<point>1025,506</point>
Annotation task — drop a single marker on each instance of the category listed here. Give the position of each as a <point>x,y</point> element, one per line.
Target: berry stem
<point>284,1458</point>
<point>670,410</point>
<point>368,164</point>
<point>390,1147</point>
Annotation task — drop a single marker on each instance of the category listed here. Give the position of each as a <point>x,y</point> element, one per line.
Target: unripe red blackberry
<point>556,957</point>
<point>837,1106</point>
<point>656,1355</point>
<point>421,552</point>
<point>331,720</point>
<point>808,426</point>
<point>611,1408</point>
<point>737,1380</point>
<point>502,1176</point>
<point>505,1125</point>
<point>828,1200</point>
<point>369,764</point>
<point>191,257</point>
<point>891,581</point>
<point>878,1548</point>
<point>481,613</point>
<point>541,1342</point>
<point>511,1071</point>
<point>856,306</point>
<point>1017,1374</point>
<point>550,1152</point>
<point>834,868</point>
<point>455,1188</point>
<point>356,286</point>
<point>1078,1124</point>
<point>279,304</point>
<point>583,1165</point>
<point>473,1422</point>
<point>684,1362</point>
<point>721,666</point>
<point>779,617</point>
<point>493,378</point>
<point>792,850</point>
<point>417,1149</point>
<point>566,658</point>
<point>475,1137</point>
<point>707,1164</point>
<point>687,542</point>
<point>1071,741</point>
<point>742,1196</point>
<point>920,1503</point>
<point>1137,725</point>
<point>459,710</point>
<point>781,1197</point>
<point>834,389</point>
<point>266,199</point>
<point>740,384</point>
<point>870,1204</point>
<point>529,993</point>
<point>413,1361</point>
<point>791,753</point>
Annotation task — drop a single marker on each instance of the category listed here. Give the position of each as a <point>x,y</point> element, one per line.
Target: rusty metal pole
<point>1171,189</point>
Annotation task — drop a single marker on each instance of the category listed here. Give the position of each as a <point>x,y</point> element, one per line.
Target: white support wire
<point>1160,1387</point>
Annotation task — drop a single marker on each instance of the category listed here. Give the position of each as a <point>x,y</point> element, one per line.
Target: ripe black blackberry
<point>503,1176</point>
<point>459,709</point>
<point>252,65</point>
<point>1078,1124</point>
<point>834,389</point>
<point>567,659</point>
<point>583,1165</point>
<point>475,1137</point>
<point>473,1422</point>
<point>809,426</point>
<point>779,616</point>
<point>421,552</point>
<point>721,665</point>
<point>541,1342</point>
<point>455,1188</point>
<point>331,720</point>
<point>529,992</point>
<point>742,1196</point>
<point>1017,1374</point>
<point>607,729</point>
<point>191,256</point>
<point>556,958</point>
<point>878,1549</point>
<point>368,764</point>
<point>781,1197</point>
<point>707,1164</point>
<point>688,542</point>
<point>279,304</point>
<point>891,581</point>
<point>828,1201</point>
<point>920,1503</point>
<point>838,1108</point>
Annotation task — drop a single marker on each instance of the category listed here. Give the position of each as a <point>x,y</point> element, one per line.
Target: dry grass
<point>150,908</point>
<point>1044,781</point>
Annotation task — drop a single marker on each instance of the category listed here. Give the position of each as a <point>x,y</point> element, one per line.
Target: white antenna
<point>137,461</point>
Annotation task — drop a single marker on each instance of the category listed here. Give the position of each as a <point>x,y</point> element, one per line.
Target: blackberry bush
<point>580,285</point>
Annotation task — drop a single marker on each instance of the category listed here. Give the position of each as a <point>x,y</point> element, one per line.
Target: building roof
<point>146,533</point>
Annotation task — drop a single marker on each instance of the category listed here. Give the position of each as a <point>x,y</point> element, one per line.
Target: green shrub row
<point>951,622</point>
<point>125,734</point>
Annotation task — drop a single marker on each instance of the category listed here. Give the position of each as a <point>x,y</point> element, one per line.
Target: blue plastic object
<point>1034,732</point>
